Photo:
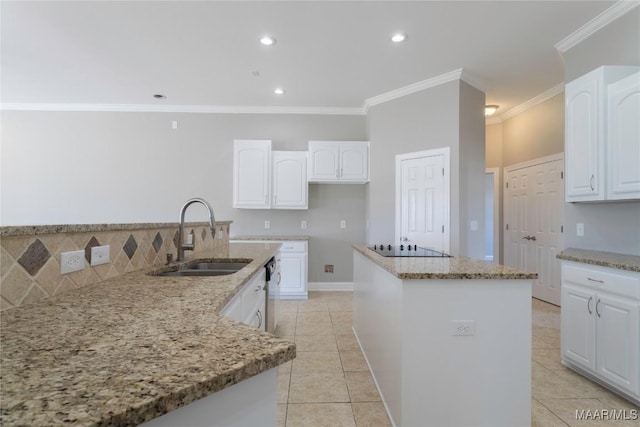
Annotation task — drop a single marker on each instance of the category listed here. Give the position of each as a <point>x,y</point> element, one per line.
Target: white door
<point>534,201</point>
<point>423,199</point>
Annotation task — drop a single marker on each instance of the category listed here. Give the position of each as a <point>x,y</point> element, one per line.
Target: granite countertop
<point>32,230</point>
<point>132,348</point>
<point>267,237</point>
<point>456,267</point>
<point>605,259</point>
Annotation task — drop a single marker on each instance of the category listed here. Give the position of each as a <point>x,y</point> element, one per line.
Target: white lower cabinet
<point>601,325</point>
<point>293,259</point>
<point>248,305</point>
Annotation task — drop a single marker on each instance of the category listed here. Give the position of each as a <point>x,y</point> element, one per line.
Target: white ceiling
<point>332,54</point>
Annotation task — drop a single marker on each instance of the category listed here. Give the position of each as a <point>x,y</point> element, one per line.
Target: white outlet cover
<point>303,224</point>
<point>267,225</point>
<point>100,255</point>
<point>343,224</point>
<point>71,261</point>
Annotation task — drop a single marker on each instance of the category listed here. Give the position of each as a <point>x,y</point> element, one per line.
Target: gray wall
<point>607,226</point>
<point>449,115</point>
<point>98,167</point>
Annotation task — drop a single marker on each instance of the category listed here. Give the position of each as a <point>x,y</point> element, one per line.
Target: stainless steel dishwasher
<point>273,293</point>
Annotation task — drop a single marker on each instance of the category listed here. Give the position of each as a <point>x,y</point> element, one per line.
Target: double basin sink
<point>208,267</point>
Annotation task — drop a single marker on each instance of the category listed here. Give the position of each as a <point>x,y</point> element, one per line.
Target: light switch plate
<point>580,229</point>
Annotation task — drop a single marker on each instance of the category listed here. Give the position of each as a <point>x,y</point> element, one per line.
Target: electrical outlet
<point>463,327</point>
<point>100,255</point>
<point>474,225</point>
<point>267,225</point>
<point>71,261</point>
<point>328,268</point>
<point>343,224</point>
<point>303,224</point>
<point>580,229</point>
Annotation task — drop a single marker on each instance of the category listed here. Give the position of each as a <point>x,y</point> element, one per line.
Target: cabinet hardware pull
<point>595,280</point>
<point>591,182</point>
<point>589,305</point>
<point>258,288</point>
<point>259,315</point>
<point>532,238</point>
<point>597,304</point>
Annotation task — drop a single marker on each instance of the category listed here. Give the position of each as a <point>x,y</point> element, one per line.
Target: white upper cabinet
<point>623,128</point>
<point>586,116</point>
<point>252,174</point>
<point>265,179</point>
<point>289,180</point>
<point>339,162</point>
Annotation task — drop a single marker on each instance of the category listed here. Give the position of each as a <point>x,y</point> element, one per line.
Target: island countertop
<point>131,348</point>
<point>456,267</point>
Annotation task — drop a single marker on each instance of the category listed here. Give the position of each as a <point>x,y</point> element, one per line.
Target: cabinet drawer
<point>289,246</point>
<point>253,293</point>
<point>603,279</point>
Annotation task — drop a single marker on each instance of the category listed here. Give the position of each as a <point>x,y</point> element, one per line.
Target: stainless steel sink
<point>210,267</point>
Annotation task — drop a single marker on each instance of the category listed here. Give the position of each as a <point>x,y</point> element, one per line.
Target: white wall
<point>98,167</point>
<point>449,115</point>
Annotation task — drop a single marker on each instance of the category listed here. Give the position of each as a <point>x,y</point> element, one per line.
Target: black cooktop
<point>406,251</point>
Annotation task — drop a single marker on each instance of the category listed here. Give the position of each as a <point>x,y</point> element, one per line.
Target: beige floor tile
<point>288,306</point>
<point>320,415</point>
<point>282,414</point>
<point>370,414</point>
<point>613,401</point>
<point>285,368</point>
<point>347,342</point>
<point>311,305</point>
<point>342,322</point>
<point>283,387</point>
<point>588,412</point>
<point>353,361</point>
<point>340,305</point>
<point>541,416</point>
<point>547,357</point>
<point>316,343</point>
<point>361,387</point>
<point>543,337</point>
<point>561,384</point>
<point>312,328</point>
<point>316,361</point>
<point>318,387</point>
<point>314,316</point>
<point>285,329</point>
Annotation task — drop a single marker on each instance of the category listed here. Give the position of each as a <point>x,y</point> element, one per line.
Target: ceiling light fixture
<point>267,40</point>
<point>398,37</point>
<point>159,96</point>
<point>490,110</point>
<point>279,91</point>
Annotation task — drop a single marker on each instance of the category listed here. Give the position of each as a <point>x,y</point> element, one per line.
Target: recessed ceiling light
<point>490,110</point>
<point>267,40</point>
<point>398,37</point>
<point>159,96</point>
<point>279,91</point>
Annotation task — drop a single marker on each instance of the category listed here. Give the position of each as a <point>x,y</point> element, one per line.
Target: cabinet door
<point>252,174</point>
<point>583,142</point>
<point>578,326</point>
<point>293,269</point>
<point>324,161</point>
<point>623,139</point>
<point>289,180</point>
<point>617,341</point>
<point>354,162</point>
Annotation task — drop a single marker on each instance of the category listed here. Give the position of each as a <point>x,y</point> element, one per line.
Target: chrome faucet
<point>182,246</point>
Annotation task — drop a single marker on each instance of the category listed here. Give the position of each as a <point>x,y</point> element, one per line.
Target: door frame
<point>496,213</point>
<point>445,153</point>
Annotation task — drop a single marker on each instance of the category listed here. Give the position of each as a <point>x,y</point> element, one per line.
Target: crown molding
<point>204,109</point>
<point>547,94</point>
<point>412,88</point>
<point>605,18</point>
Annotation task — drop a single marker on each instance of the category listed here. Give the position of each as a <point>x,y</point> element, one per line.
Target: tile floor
<point>329,384</point>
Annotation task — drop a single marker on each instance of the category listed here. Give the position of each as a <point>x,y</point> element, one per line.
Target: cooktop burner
<point>406,251</point>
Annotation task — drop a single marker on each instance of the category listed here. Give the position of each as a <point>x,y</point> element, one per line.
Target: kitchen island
<point>135,347</point>
<point>448,340</point>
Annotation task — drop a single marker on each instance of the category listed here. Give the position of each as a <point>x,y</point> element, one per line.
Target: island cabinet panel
<point>250,403</point>
<point>427,373</point>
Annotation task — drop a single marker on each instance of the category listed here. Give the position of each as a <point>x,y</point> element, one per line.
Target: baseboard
<point>330,286</point>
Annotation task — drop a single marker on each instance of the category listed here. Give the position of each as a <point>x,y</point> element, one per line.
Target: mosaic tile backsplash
<point>30,262</point>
